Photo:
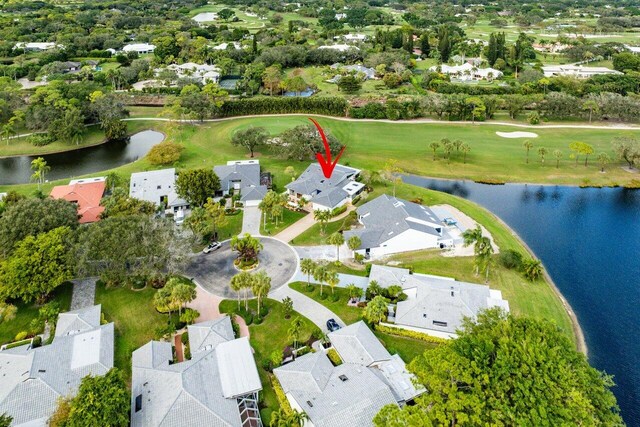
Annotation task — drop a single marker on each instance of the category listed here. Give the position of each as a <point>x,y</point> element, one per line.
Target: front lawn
<point>27,312</point>
<point>233,227</point>
<point>136,320</point>
<point>289,217</point>
<point>268,337</point>
<point>315,235</point>
<point>407,348</point>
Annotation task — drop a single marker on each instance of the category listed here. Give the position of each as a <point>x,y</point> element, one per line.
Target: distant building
<point>352,37</point>
<point>244,177</point>
<point>632,49</point>
<point>225,45</point>
<point>391,225</point>
<point>368,73</point>
<point>435,305</point>
<point>467,72</point>
<point>37,46</point>
<point>202,73</point>
<point>325,193</point>
<point>139,48</point>
<point>577,71</point>
<point>86,194</point>
<point>34,379</point>
<point>219,386</point>
<point>339,47</point>
<point>351,393</point>
<point>158,187</point>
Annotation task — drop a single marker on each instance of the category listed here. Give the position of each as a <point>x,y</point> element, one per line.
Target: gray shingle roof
<point>325,191</point>
<point>440,299</point>
<point>386,217</point>
<point>33,379</point>
<point>80,320</point>
<point>245,174</point>
<point>192,393</point>
<point>357,344</point>
<point>351,395</point>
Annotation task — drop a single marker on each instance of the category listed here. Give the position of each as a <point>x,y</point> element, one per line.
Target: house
<point>219,386</point>
<point>339,47</point>
<point>351,393</point>
<point>34,378</point>
<point>353,38</point>
<point>224,46</point>
<point>467,72</point>
<point>577,71</point>
<point>139,48</point>
<point>201,73</point>
<point>435,305</point>
<point>242,176</point>
<point>37,46</point>
<point>368,73</point>
<point>632,49</point>
<point>325,193</point>
<point>157,187</point>
<point>391,225</point>
<point>86,194</point>
<point>71,66</point>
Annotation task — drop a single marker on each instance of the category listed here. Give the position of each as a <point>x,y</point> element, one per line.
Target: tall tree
<point>40,169</point>
<point>250,138</point>
<point>322,216</point>
<point>320,275</point>
<point>376,309</point>
<point>196,186</point>
<point>247,246</point>
<point>101,401</point>
<point>308,267</point>
<point>501,370</point>
<point>528,145</point>
<point>261,286</point>
<point>337,240</point>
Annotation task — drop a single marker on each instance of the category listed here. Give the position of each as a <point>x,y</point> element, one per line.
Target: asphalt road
<point>214,271</point>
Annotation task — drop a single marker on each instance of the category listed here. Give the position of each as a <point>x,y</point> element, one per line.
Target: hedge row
<point>333,355</point>
<point>282,398</point>
<point>410,334</point>
<point>330,106</point>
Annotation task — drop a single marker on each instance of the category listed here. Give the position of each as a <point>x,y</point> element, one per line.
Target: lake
<point>17,170</point>
<point>589,242</point>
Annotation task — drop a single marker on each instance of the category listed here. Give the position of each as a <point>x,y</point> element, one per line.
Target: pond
<point>17,170</point>
<point>589,241</point>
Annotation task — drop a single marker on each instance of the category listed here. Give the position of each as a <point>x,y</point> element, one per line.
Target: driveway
<point>214,271</point>
<point>345,280</point>
<point>322,252</point>
<point>312,310</point>
<point>251,220</point>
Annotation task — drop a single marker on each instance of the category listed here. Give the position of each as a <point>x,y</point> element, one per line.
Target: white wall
<point>294,405</point>
<point>409,240</point>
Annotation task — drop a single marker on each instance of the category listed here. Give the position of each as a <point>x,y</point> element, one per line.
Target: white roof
<point>36,45</point>
<point>138,47</point>
<point>455,69</point>
<point>238,372</point>
<point>154,185</point>
<point>576,70</point>
<point>340,47</point>
<point>223,46</point>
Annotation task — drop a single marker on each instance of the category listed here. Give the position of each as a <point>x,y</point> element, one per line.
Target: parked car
<point>213,246</point>
<point>332,325</point>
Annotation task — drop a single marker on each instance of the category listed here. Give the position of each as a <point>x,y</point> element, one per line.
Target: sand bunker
<point>517,134</point>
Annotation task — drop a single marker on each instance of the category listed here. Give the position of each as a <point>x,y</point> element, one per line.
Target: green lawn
<point>269,336</point>
<point>407,348</point>
<point>136,320</point>
<point>27,312</point>
<point>347,313</point>
<point>288,217</point>
<point>233,227</point>
<point>316,236</point>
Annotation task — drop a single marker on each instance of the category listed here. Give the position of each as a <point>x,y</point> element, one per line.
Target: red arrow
<point>326,164</point>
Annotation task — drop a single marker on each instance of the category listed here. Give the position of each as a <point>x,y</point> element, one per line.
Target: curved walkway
<point>208,305</point>
<point>414,121</point>
<point>303,224</point>
<point>312,310</point>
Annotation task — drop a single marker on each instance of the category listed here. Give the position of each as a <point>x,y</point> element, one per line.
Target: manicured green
<point>288,217</point>
<point>135,318</point>
<point>233,227</point>
<point>407,348</point>
<point>347,313</point>
<point>315,235</point>
<point>269,336</point>
<point>27,312</point>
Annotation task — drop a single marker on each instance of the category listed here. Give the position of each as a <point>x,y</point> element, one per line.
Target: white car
<point>214,246</point>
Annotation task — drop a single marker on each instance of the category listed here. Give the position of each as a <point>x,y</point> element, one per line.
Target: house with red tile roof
<point>85,194</point>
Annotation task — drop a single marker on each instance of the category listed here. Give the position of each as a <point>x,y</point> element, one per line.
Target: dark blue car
<point>332,325</point>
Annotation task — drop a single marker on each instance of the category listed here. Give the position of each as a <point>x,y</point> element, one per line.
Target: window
<point>138,403</point>
<point>439,323</point>
<point>343,378</point>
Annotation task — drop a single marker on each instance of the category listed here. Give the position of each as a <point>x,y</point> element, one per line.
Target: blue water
<point>589,242</point>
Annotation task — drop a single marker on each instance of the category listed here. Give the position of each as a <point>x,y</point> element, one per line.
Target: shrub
<point>257,320</point>
<point>37,341</point>
<point>21,335</point>
<point>409,334</point>
<point>185,338</point>
<point>303,350</point>
<point>264,310</point>
<point>511,259</point>
<point>187,353</point>
<point>339,210</point>
<point>333,355</point>
<point>324,296</point>
<point>282,398</point>
<point>164,153</point>
<point>41,139</point>
<point>310,288</point>
<point>533,118</point>
<point>335,297</point>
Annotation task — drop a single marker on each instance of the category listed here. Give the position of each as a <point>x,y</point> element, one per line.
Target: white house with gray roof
<point>391,225</point>
<point>435,305</point>
<point>33,379</point>
<point>325,193</point>
<point>219,386</point>
<point>352,393</point>
<point>158,187</point>
<point>242,176</point>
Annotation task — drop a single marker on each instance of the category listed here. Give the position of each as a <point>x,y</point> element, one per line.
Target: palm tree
<point>320,275</point>
<point>337,240</point>
<point>322,216</point>
<point>472,235</point>
<point>308,267</point>
<point>40,169</point>
<point>448,148</point>
<point>162,299</point>
<point>528,145</point>
<point>376,309</point>
<point>354,243</point>
<point>354,291</point>
<point>532,269</point>
<point>558,155</point>
<point>332,279</point>
<point>247,246</point>
<point>182,294</point>
<point>434,147</point>
<point>542,151</point>
<point>294,331</point>
<point>390,173</point>
<point>242,281</point>
<point>374,289</point>
<point>465,148</point>
<point>261,286</point>
<point>483,256</point>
